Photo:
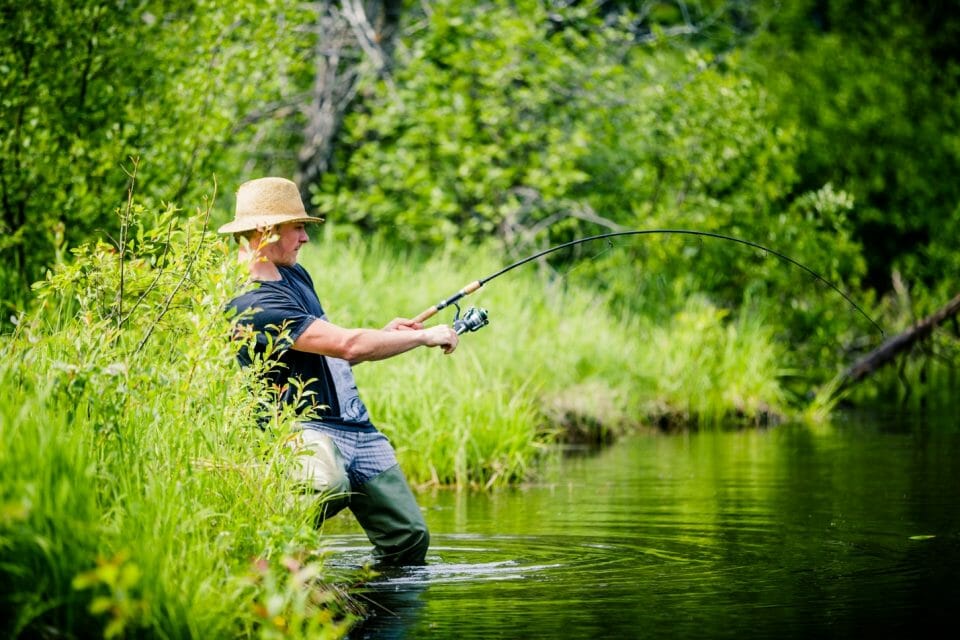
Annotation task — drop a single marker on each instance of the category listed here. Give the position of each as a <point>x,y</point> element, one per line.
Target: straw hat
<point>266,202</point>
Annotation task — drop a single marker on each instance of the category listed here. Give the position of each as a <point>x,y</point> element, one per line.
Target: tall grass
<point>710,369</point>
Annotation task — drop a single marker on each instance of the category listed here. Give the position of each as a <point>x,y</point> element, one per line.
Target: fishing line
<point>587,260</point>
<point>478,317</point>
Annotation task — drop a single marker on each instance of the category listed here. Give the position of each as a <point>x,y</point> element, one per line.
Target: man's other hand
<point>443,336</point>
<point>403,324</point>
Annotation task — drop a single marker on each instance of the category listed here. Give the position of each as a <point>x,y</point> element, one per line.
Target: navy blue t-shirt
<point>282,311</point>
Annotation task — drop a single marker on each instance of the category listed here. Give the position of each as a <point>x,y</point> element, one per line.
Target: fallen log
<point>899,343</point>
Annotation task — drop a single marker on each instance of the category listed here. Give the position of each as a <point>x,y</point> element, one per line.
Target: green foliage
<point>120,578</point>
<point>875,89</point>
<point>137,483</point>
<point>87,85</point>
<point>472,127</point>
<point>823,130</point>
<point>529,123</point>
<point>699,347</point>
<point>512,122</point>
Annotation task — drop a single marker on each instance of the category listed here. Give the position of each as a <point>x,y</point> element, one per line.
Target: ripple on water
<point>591,580</point>
<point>466,558</point>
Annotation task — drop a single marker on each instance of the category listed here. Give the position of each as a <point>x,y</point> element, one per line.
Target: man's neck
<point>261,269</point>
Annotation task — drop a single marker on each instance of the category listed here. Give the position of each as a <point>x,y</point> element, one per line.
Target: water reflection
<point>394,608</point>
<point>789,533</point>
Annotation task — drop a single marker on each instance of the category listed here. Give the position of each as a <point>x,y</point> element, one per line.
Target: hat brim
<point>252,223</point>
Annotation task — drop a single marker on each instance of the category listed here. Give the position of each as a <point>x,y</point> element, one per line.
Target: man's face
<point>282,245</point>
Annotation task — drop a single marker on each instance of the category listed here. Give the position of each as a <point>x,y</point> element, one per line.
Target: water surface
<point>790,532</point>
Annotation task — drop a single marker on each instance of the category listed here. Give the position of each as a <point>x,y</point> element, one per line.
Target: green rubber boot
<point>388,512</point>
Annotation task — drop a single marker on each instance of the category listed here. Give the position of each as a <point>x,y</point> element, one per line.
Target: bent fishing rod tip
<point>476,284</point>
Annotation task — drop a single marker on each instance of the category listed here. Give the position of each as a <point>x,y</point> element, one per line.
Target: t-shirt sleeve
<point>278,315</point>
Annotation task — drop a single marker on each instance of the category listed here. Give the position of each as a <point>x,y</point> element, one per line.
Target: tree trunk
<point>346,34</point>
<point>896,345</point>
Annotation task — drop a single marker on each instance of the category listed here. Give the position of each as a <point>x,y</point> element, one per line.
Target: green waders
<point>387,510</point>
<point>384,505</point>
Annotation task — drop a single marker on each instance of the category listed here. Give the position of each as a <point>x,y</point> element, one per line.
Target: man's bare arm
<point>361,345</point>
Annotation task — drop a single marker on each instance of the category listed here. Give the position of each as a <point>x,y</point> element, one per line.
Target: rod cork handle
<point>467,290</point>
<point>426,313</point>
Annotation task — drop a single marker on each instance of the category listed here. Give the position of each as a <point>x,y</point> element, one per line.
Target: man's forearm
<point>362,345</point>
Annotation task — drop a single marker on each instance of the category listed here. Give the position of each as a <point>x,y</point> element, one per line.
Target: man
<point>347,459</point>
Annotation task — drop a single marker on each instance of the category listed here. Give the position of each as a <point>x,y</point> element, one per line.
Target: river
<point>846,530</point>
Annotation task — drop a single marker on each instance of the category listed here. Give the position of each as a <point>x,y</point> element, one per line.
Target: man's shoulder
<point>297,272</point>
<point>245,300</point>
<point>294,287</point>
<point>257,292</point>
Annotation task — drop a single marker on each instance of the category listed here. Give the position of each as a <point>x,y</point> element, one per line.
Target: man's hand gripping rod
<point>472,320</point>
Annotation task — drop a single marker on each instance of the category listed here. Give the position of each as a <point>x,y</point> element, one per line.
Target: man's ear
<point>265,236</point>
<point>247,239</point>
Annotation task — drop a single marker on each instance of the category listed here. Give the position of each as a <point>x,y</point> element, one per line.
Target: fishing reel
<point>473,319</point>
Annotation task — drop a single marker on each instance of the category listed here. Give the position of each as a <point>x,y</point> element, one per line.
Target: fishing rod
<point>475,318</point>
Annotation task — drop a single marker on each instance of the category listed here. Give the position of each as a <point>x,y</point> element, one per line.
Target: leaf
<point>85,580</point>
<point>101,604</point>
<point>114,628</point>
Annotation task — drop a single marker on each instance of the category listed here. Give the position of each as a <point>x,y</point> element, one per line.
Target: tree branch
<point>896,345</point>
<point>186,272</point>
